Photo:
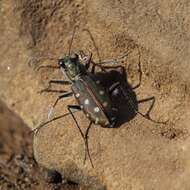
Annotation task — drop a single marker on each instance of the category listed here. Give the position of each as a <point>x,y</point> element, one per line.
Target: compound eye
<point>61,62</point>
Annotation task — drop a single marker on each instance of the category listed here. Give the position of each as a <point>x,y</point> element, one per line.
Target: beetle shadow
<point>126,112</point>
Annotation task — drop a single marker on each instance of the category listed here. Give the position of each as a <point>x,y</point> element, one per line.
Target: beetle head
<point>71,66</point>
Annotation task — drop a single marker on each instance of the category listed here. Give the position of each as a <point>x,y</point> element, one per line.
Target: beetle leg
<point>115,61</point>
<point>150,108</point>
<point>47,66</point>
<point>47,122</point>
<point>146,116</point>
<point>94,65</point>
<point>88,61</point>
<point>51,91</point>
<point>120,68</point>
<point>75,107</point>
<point>63,82</point>
<point>85,137</point>
<point>114,87</point>
<point>87,152</point>
<point>68,94</point>
<point>152,105</point>
<point>140,72</point>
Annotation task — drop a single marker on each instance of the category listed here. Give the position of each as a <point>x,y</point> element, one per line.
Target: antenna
<point>70,45</point>
<point>94,43</point>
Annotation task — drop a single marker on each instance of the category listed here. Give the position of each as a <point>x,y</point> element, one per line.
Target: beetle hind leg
<point>147,115</point>
<point>87,152</point>
<point>85,137</point>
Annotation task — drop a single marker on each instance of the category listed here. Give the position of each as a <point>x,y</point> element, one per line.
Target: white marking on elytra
<point>97,82</point>
<point>87,115</point>
<point>86,101</point>
<point>114,109</point>
<point>113,118</point>
<point>101,92</point>
<point>77,95</point>
<point>81,106</point>
<point>105,104</point>
<point>97,120</point>
<point>96,109</point>
<point>115,92</point>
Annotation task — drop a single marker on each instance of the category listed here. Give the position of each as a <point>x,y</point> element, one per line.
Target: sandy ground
<point>138,154</point>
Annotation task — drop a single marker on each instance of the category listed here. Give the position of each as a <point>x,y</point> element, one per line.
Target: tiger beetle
<point>92,97</point>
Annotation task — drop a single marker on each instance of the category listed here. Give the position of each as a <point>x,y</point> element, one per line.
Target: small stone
<point>52,176</point>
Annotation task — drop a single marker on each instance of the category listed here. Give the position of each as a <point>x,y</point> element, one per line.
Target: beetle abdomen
<point>93,99</point>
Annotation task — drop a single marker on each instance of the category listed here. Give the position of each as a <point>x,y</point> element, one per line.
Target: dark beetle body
<point>91,96</point>
<point>94,100</point>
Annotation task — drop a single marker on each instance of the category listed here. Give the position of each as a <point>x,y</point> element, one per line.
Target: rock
<point>137,155</point>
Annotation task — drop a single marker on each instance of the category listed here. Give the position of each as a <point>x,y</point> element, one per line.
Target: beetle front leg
<point>51,91</point>
<point>86,59</point>
<point>62,82</point>
<point>47,66</point>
